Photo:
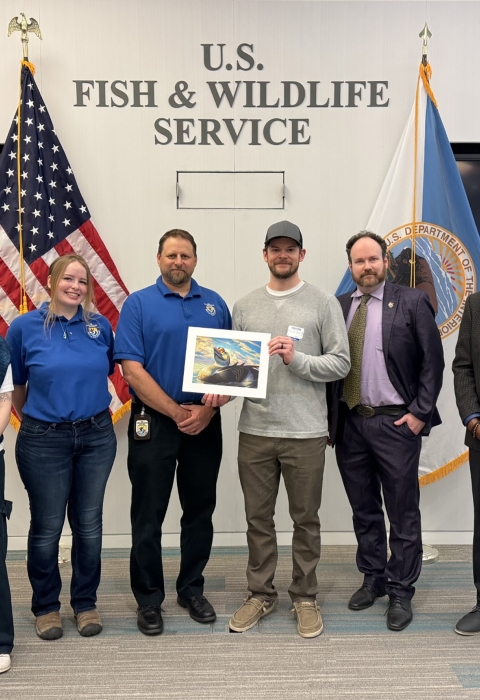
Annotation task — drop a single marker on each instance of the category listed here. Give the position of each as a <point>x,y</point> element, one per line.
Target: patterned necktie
<point>356,339</point>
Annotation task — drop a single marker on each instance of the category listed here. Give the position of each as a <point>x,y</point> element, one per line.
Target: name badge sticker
<point>295,332</point>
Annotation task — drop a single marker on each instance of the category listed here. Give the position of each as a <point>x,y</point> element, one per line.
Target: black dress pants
<point>151,466</point>
<point>377,456</point>
<point>6,617</point>
<point>474,457</point>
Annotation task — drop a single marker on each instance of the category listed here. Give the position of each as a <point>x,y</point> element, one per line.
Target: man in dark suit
<point>466,374</point>
<point>378,415</point>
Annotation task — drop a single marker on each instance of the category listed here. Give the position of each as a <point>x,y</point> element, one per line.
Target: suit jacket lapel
<point>345,302</point>
<point>388,314</point>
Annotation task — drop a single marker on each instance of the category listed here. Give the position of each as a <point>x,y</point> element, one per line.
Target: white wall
<point>332,183</point>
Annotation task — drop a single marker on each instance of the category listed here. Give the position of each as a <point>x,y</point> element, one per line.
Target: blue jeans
<point>65,466</point>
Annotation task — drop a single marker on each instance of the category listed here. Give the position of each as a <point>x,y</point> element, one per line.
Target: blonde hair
<point>56,272</point>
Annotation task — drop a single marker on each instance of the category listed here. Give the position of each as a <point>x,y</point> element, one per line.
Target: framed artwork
<point>232,363</point>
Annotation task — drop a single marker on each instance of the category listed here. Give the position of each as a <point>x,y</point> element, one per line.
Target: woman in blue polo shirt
<point>61,355</point>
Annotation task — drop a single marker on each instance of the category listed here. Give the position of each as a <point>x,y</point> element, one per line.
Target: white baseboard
<point>238,539</point>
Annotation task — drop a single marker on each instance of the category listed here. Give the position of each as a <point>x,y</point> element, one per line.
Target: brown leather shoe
<point>89,623</point>
<point>49,626</point>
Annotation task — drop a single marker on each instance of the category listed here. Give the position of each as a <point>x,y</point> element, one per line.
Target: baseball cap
<point>284,229</point>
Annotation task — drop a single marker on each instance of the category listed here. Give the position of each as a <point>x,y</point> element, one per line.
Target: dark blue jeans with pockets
<point>65,467</point>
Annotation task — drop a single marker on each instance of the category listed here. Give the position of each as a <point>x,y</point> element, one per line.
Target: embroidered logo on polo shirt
<point>210,309</point>
<point>93,331</point>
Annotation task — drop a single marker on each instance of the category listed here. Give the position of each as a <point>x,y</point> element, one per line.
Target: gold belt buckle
<point>365,411</point>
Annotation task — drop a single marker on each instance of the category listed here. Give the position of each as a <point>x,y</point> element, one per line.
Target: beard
<point>283,275</point>
<point>176,277</point>
<point>374,278</point>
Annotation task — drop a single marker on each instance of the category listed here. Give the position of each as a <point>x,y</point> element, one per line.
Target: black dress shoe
<point>399,613</point>
<point>364,597</point>
<point>198,608</point>
<point>149,619</point>
<point>470,623</point>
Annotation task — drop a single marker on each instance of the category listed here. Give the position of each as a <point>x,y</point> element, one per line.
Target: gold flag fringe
<point>14,422</point>
<point>443,471</point>
<point>29,65</point>
<point>425,75</point>
<point>122,411</point>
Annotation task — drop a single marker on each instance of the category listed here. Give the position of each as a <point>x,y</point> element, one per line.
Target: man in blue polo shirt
<point>169,430</point>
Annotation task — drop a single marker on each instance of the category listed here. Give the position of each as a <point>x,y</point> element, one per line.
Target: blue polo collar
<point>78,316</point>
<point>195,290</point>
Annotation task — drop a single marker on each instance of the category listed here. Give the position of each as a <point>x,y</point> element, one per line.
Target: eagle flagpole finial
<point>20,23</point>
<point>425,34</point>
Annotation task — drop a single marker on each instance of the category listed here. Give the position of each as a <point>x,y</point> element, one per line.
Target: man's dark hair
<point>177,233</point>
<point>366,234</point>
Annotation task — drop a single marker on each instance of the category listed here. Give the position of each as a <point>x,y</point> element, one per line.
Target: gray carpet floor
<point>356,656</point>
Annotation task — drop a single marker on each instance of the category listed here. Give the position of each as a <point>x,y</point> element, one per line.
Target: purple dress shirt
<point>376,387</point>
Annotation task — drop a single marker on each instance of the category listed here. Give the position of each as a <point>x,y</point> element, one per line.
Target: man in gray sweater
<point>286,433</point>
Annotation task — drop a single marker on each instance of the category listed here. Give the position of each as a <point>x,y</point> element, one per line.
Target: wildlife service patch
<point>210,309</point>
<point>93,331</point>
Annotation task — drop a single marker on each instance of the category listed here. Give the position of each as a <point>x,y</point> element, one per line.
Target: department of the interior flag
<point>423,213</point>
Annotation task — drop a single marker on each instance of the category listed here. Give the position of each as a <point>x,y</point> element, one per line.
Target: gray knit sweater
<point>295,406</point>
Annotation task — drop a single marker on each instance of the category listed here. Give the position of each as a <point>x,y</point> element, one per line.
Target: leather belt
<point>370,411</point>
<point>139,402</point>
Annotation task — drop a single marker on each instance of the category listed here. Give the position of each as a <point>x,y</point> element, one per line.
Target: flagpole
<point>21,24</point>
<point>425,34</point>
<point>430,554</point>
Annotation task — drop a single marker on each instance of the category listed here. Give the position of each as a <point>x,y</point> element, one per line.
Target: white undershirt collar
<point>288,291</point>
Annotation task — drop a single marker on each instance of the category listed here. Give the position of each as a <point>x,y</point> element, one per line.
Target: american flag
<point>54,219</point>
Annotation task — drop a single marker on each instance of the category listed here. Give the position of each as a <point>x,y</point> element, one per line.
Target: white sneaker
<point>5,662</point>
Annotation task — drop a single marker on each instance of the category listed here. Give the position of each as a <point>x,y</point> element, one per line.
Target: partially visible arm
<point>130,352</point>
<point>470,420</point>
<point>430,375</point>
<point>110,347</point>
<point>468,403</point>
<point>6,390</point>
<point>5,409</point>
<point>334,362</point>
<point>18,363</point>
<point>472,423</point>
<point>19,398</point>
<point>148,391</point>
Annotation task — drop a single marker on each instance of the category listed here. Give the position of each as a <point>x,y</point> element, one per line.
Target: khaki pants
<point>261,460</point>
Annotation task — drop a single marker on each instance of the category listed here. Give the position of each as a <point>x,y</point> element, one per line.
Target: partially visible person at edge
<point>170,431</point>
<point>6,617</point>
<point>285,434</point>
<point>62,354</point>
<point>466,376</point>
